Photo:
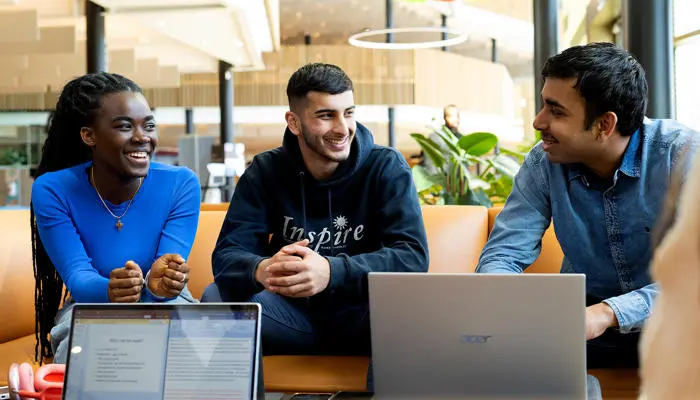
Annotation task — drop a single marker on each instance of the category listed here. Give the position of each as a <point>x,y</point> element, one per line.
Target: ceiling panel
<point>54,8</point>
<point>212,31</point>
<point>168,76</point>
<point>19,26</point>
<point>518,9</point>
<point>333,21</point>
<point>134,5</point>
<point>13,63</point>
<point>52,40</point>
<point>42,42</point>
<point>122,61</point>
<point>7,80</point>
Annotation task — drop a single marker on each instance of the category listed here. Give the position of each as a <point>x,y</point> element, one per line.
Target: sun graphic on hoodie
<point>340,222</point>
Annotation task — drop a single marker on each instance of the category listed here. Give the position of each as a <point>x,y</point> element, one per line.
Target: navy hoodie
<point>365,217</point>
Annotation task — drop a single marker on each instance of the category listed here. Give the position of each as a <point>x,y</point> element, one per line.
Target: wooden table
<point>617,384</point>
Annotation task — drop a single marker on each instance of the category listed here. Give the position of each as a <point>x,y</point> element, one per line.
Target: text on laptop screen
<point>164,354</point>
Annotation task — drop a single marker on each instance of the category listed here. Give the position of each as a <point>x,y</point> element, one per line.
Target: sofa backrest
<point>200,256</point>
<point>214,207</point>
<point>551,255</point>
<point>16,275</point>
<point>456,235</point>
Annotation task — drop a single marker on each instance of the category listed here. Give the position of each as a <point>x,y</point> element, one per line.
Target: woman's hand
<point>125,284</point>
<point>168,276</point>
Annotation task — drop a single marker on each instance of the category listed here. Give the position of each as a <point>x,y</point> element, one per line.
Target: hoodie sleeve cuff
<point>338,272</point>
<point>255,261</point>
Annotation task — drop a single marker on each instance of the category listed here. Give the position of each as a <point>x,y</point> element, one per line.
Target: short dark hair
<point>609,78</point>
<point>317,77</point>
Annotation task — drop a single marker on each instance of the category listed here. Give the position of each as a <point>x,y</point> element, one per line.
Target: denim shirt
<point>604,229</point>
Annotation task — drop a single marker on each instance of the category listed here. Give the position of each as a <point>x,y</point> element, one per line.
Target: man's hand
<point>261,273</point>
<point>599,317</point>
<point>168,276</point>
<point>125,284</point>
<point>303,278</point>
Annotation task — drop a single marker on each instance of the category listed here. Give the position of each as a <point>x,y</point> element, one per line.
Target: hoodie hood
<point>361,146</point>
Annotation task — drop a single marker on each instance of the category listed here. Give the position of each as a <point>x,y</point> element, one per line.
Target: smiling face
<point>123,136</point>
<point>325,125</point>
<point>562,122</point>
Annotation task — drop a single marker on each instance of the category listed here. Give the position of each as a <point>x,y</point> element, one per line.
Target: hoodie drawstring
<point>303,205</point>
<point>330,217</point>
<point>303,213</point>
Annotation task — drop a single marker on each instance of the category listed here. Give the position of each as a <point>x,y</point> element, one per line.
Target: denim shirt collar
<point>631,159</point>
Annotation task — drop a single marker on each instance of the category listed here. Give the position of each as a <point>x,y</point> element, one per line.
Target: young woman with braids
<point>106,221</point>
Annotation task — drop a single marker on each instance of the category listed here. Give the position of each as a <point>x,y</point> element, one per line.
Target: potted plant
<point>13,156</point>
<point>465,171</point>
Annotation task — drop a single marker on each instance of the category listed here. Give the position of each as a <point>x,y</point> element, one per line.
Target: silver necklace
<point>119,223</point>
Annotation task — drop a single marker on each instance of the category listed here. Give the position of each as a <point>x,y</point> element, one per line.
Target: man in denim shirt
<point>600,174</point>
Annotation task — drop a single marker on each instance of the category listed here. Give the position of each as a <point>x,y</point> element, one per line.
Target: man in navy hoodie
<point>337,207</point>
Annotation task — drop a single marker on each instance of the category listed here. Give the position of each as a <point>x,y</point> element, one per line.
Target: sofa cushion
<point>214,207</point>
<point>456,235</point>
<point>208,230</point>
<point>16,351</point>
<point>16,275</point>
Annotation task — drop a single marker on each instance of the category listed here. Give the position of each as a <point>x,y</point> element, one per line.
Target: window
<point>687,34</point>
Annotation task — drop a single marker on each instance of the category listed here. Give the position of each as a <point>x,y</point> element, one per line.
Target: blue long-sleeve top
<point>80,235</point>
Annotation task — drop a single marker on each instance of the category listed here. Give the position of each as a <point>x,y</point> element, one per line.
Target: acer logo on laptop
<point>477,339</point>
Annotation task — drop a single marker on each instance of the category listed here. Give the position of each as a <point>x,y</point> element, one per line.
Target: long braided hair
<point>77,106</point>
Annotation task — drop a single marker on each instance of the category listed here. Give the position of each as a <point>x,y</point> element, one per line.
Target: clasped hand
<point>295,271</point>
<point>168,276</point>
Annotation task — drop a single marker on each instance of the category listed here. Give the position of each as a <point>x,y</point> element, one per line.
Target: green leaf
<point>423,180</point>
<point>431,149</point>
<point>518,155</point>
<point>478,143</point>
<point>449,139</point>
<point>474,197</point>
<point>13,156</point>
<point>431,195</point>
<point>501,188</point>
<point>453,177</point>
<point>506,165</point>
<point>458,178</point>
<point>476,183</point>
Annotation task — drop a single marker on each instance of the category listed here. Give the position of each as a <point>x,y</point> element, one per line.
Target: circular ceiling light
<point>357,39</point>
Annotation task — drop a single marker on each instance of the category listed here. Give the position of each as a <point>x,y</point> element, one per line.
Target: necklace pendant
<point>119,224</point>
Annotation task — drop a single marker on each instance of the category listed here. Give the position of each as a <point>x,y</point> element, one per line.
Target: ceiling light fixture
<point>357,39</point>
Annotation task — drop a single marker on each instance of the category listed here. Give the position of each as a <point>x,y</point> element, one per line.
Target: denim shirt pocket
<point>636,240</point>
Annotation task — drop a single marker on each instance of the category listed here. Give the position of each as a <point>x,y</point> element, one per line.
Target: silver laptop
<point>468,336</point>
<point>163,351</point>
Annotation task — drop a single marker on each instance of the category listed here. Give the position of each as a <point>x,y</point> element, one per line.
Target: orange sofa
<point>456,235</point>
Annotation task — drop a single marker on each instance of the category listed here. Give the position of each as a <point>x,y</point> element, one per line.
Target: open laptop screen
<point>163,352</point>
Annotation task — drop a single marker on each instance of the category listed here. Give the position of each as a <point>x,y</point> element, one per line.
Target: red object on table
<point>44,384</point>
